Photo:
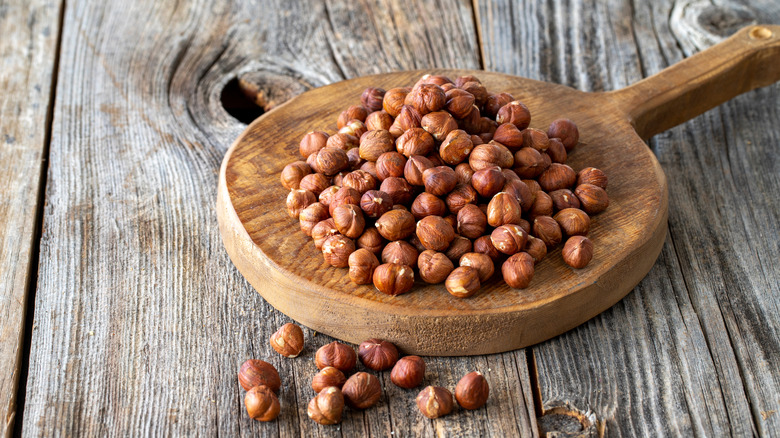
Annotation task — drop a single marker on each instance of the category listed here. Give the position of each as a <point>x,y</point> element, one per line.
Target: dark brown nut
<point>464,172</point>
<point>509,239</point>
<point>353,155</point>
<point>315,183</point>
<point>533,185</point>
<point>355,128</point>
<point>344,196</point>
<point>415,141</point>
<point>534,138</point>
<point>256,372</point>
<point>359,180</point>
<point>328,376</point>
<point>535,248</point>
<point>503,209</point>
<point>515,113</point>
<point>354,112</point>
<point>390,164</point>
<point>342,141</point>
<point>446,88</point>
<point>463,282</point>
<point>557,151</point>
<point>566,131</point>
<point>375,203</point>
<point>327,195</point>
<point>337,355</point>
<point>577,252</point>
<point>459,102</point>
<point>336,250</point>
<point>332,160</point>
<point>435,159</point>
<point>434,266</point>
<point>591,175</point>
<point>563,199</point>
<point>435,233</point>
<point>594,199</point>
<point>472,391</point>
<point>556,177</point>
<point>518,270</point>
<point>490,155</point>
<point>426,204</point>
<point>262,404</point>
<point>379,120</point>
<point>426,98</point>
<point>396,225</point>
<point>439,124</point>
<point>339,178</point>
<point>399,190</point>
<point>573,221</point>
<point>542,206</point>
<point>529,163</point>
<point>288,340</point>
<point>434,402</point>
<point>311,160</point>
<point>293,173</point>
<point>322,231</point>
<point>495,102</point>
<point>521,192</point>
<point>362,263</point>
<point>311,216</point>
<point>371,240</point>
<point>471,221</point>
<point>375,143</point>
<point>433,79</point>
<point>326,408</point>
<point>548,230</point>
<point>400,252</point>
<point>361,391</point>
<point>416,244</point>
<point>460,196</point>
<point>485,246</point>
<point>472,122</point>
<point>487,129</point>
<point>393,279</point>
<point>460,245</point>
<point>312,142</point>
<point>394,100</point>
<point>370,167</point>
<point>372,98</point>
<point>297,200</point>
<point>489,181</point>
<point>509,136</point>
<point>456,147</point>
<point>415,166</point>
<point>439,180</point>
<point>478,90</point>
<point>525,225</point>
<point>408,372</point>
<point>407,119</point>
<point>481,262</point>
<point>510,175</point>
<point>462,80</point>
<point>377,355</point>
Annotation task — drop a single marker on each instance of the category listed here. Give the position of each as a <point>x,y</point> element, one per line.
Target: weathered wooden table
<point>122,314</point>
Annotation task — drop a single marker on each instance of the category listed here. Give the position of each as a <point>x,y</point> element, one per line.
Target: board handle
<point>745,61</point>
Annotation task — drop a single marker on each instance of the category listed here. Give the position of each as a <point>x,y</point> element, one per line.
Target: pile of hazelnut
<point>361,390</point>
<point>445,178</point>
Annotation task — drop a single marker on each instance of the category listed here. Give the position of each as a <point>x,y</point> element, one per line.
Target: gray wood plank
<point>28,48</point>
<point>693,349</point>
<point>142,321</point>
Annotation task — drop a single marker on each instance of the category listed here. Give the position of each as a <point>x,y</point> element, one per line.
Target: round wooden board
<point>283,265</point>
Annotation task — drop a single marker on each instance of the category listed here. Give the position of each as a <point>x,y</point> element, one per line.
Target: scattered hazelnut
<point>439,124</point>
<point>433,79</point>
<point>375,143</point>
<point>435,233</point>
<point>338,178</point>
<point>472,122</point>
<point>293,173</point>
<point>311,216</point>
<point>557,151</point>
<point>593,198</point>
<point>377,355</point>
<point>394,100</point>
<point>426,204</point>
<point>464,172</point>
<point>297,200</point>
<point>396,224</point>
<point>542,206</point>
<point>343,196</point>
<point>484,245</point>
<point>535,248</point>
<point>415,141</point>
<point>591,175</point>
<point>390,164</point>
<point>379,120</point>
<point>371,240</point>
<point>460,196</point>
<point>462,80</point>
<point>489,181</point>
<point>337,355</point>
<point>548,230</point>
<point>336,250</point>
<point>349,220</point>
<point>525,197</point>
<point>393,279</point>
<point>434,266</point>
<point>563,199</point>
<point>509,239</point>
<point>529,163</point>
<point>494,102</point>
<point>577,252</point>
<point>400,252</point>
<point>407,119</point>
<point>472,391</point>
<point>459,102</point>
<point>288,340</point>
<point>573,221</point>
<point>313,142</point>
<point>322,231</point>
<point>375,203</point>
<point>370,167</point>
<point>327,407</point>
<point>408,372</point>
<point>481,262</point>
<point>399,190</point>
<point>439,180</point>
<point>557,176</point>
<point>415,166</point>
<point>476,89</point>
<point>472,222</point>
<point>261,403</point>
<point>536,139</point>
<point>566,131</point>
<point>341,141</point>
<point>331,160</point>
<point>355,128</point>
<point>327,195</point>
<point>490,155</point>
<point>503,209</point>
<point>354,112</point>
<point>362,263</point>
<point>426,98</point>
<point>255,372</point>
<point>434,402</point>
<point>359,180</point>
<point>518,270</point>
<point>355,162</point>
<point>328,376</point>
<point>459,246</point>
<point>416,243</point>
<point>372,98</point>
<point>463,282</point>
<point>515,113</point>
<point>361,391</point>
<point>509,136</point>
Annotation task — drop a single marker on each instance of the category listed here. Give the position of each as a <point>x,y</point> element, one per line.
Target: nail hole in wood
<point>238,104</point>
<point>760,33</point>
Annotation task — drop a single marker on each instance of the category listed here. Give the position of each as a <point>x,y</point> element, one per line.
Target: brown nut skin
<point>331,160</point>
<point>426,204</point>
<point>344,196</point>
<point>463,282</point>
<point>408,372</point>
<point>311,216</point>
<point>594,199</point>
<point>456,147</point>
<point>415,141</point>
<point>471,221</point>
<point>349,220</point>
<point>439,180</point>
<point>509,136</point>
<point>518,270</point>
<point>322,231</point>
<point>297,200</point>
<point>462,80</point>
<point>566,131</point>
<point>472,122</point>
<point>415,166</point>
<point>535,248</point>
<point>573,221</point>
<point>536,139</point>
<point>326,408</point>
<point>494,103</point>
<point>355,162</point>
<point>525,197</point>
<point>435,233</point>
<point>379,120</point>
<point>361,390</point>
<point>371,240</point>
<point>377,355</point>
<point>370,167</point>
<point>485,246</point>
<point>478,90</point>
<point>439,124</point>
<point>515,113</point>
<point>407,119</point>
<point>336,250</point>
<point>459,246</point>
<point>548,230</point>
<point>490,155</point>
<point>509,239</point>
<point>390,164</point>
<point>372,98</point>
<point>464,172</point>
<point>337,355</point>
<point>375,203</point>
<point>557,176</point>
<point>293,173</point>
<point>393,279</point>
<point>487,182</point>
<point>563,199</point>
<point>262,404</point>
<point>327,195</point>
<point>354,112</point>
<point>434,266</point>
<point>503,209</point>
<point>399,190</point>
<point>375,143</point>
<point>426,98</point>
<point>400,252</point>
<point>542,206</point>
<point>577,252</point>
<point>439,80</point>
<point>396,225</point>
<point>255,372</point>
<point>328,376</point>
<point>434,402</point>
<point>394,100</point>
<point>355,128</point>
<point>458,102</point>
<point>591,175</point>
<point>529,163</point>
<point>359,180</point>
<point>481,262</point>
<point>312,142</point>
<point>472,391</point>
<point>342,141</point>
<point>557,151</point>
<point>288,340</point>
<point>362,263</point>
<point>460,196</point>
<point>338,178</point>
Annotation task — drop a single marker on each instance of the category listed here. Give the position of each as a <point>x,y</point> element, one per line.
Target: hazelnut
<point>439,124</point>
<point>311,216</point>
<point>462,80</point>
<point>459,246</point>
<point>372,98</point>
<point>312,142</point>
<point>535,248</point>
<point>509,239</point>
<point>322,231</point>
<point>557,151</point>
<point>390,164</point>
<point>490,155</point>
<point>288,340</point>
<point>557,176</point>
<point>355,128</point>
<point>529,163</point>
<point>481,262</point>
<point>485,246</point>
<point>525,197</point>
<point>394,100</point>
<point>293,173</point>
<point>375,203</point>
<point>327,195</point>
<point>477,90</point>
<point>594,199</point>
<point>371,240</point>
<point>353,155</point>
<point>573,221</point>
<point>407,119</point>
<point>536,139</point>
<point>452,220</point>
<point>415,141</point>
<point>525,225</point>
<point>472,391</point>
<point>460,196</point>
<point>515,113</point>
<point>428,205</point>
<point>426,98</point>
<point>297,200</point>
<point>341,141</point>
<point>532,185</point>
<point>566,131</point>
<point>400,252</point>
<point>337,355</point>
<point>542,206</point>
<point>370,167</point>
<point>415,242</point>
<point>349,220</point>
<point>464,172</point>
<point>463,282</point>
<point>336,250</point>
<point>591,175</point>
<point>459,102</point>
<point>494,102</point>
<point>503,209</point>
<point>328,376</point>
<point>414,169</point>
<point>472,122</point>
<point>315,183</point>
<point>435,233</point>
<point>255,372</point>
<point>344,196</point>
<point>509,136</point>
<point>577,252</point>
<point>339,178</point>
<point>399,190</point>
<point>472,222</point>
<point>354,112</point>
<point>327,407</point>
<point>396,224</point>
<point>361,391</point>
<point>434,266</point>
<point>439,180</point>
<point>408,372</point>
<point>548,230</point>
<point>456,147</point>
<point>489,181</point>
<point>331,160</point>
<point>377,354</point>
<point>434,402</point>
<point>379,120</point>
<point>433,79</point>
<point>518,270</point>
<point>362,263</point>
<point>262,404</point>
<point>563,199</point>
<point>359,180</point>
<point>393,279</point>
<point>375,143</point>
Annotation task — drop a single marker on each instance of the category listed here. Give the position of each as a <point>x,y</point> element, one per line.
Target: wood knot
<point>563,420</point>
<point>254,93</point>
<point>700,24</point>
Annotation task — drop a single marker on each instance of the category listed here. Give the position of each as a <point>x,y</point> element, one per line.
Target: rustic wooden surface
<point>141,320</point>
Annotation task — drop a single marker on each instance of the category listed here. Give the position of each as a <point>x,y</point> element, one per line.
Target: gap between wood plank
<point>478,29</point>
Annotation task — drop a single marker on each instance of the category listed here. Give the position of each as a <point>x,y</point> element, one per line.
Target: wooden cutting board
<point>283,265</point>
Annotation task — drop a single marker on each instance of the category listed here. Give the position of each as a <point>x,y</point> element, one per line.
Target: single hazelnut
<point>509,239</point>
<point>557,176</point>
<point>435,233</point>
<point>372,98</point>
<point>542,206</point>
<point>459,246</point>
<point>548,230</point>
<point>362,263</point>
<point>355,128</point>
<point>462,80</point>
<point>297,200</point>
<point>359,180</point>
<point>566,131</point>
<point>375,143</point>
<point>573,221</point>
<point>328,376</point>
<point>377,354</point>
<point>471,123</point>
<point>485,246</point>
<point>463,282</point>
<point>439,124</point>
<point>452,220</point>
<point>370,167</point>
<point>481,262</point>
<point>426,204</point>
<point>434,402</point>
<point>415,166</point>
<point>494,103</point>
<point>337,355</point>
<point>399,190</point>
<point>535,248</point>
<point>536,139</point>
<point>489,181</point>
<point>434,266</point>
<point>439,180</point>
<point>458,102</point>
<point>415,141</point>
<point>315,183</point>
<point>327,195</point>
<point>518,270</point>
<point>471,221</point>
<point>464,172</point>
<point>357,112</point>
<point>503,209</point>
<point>344,196</point>
<point>288,340</point>
<point>490,155</point>
<point>477,90</point>
<point>594,199</point>
<point>336,250</point>
<point>525,225</point>
<point>379,120</point>
<point>326,408</point>
<point>509,136</point>
<point>361,391</point>
<point>338,178</point>
<point>563,199</point>
<point>456,147</point>
<point>255,372</point>
<point>460,196</point>
<point>529,163</point>
<point>394,100</point>
<point>311,216</point>
<point>293,173</point>
<point>525,197</point>
<point>532,185</point>
<point>262,404</point>
<point>400,252</point>
<point>577,252</point>
<point>439,80</point>
<point>557,151</point>
<point>396,224</point>
<point>349,220</point>
<point>472,391</point>
<point>322,231</point>
<point>353,155</point>
<point>407,119</point>
<point>515,113</point>
<point>331,160</point>
<point>393,279</point>
<point>390,164</point>
<point>591,175</point>
<point>375,203</point>
<point>341,141</point>
<point>415,242</point>
<point>371,240</point>
<point>426,98</point>
<point>408,372</point>
<point>312,142</point>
